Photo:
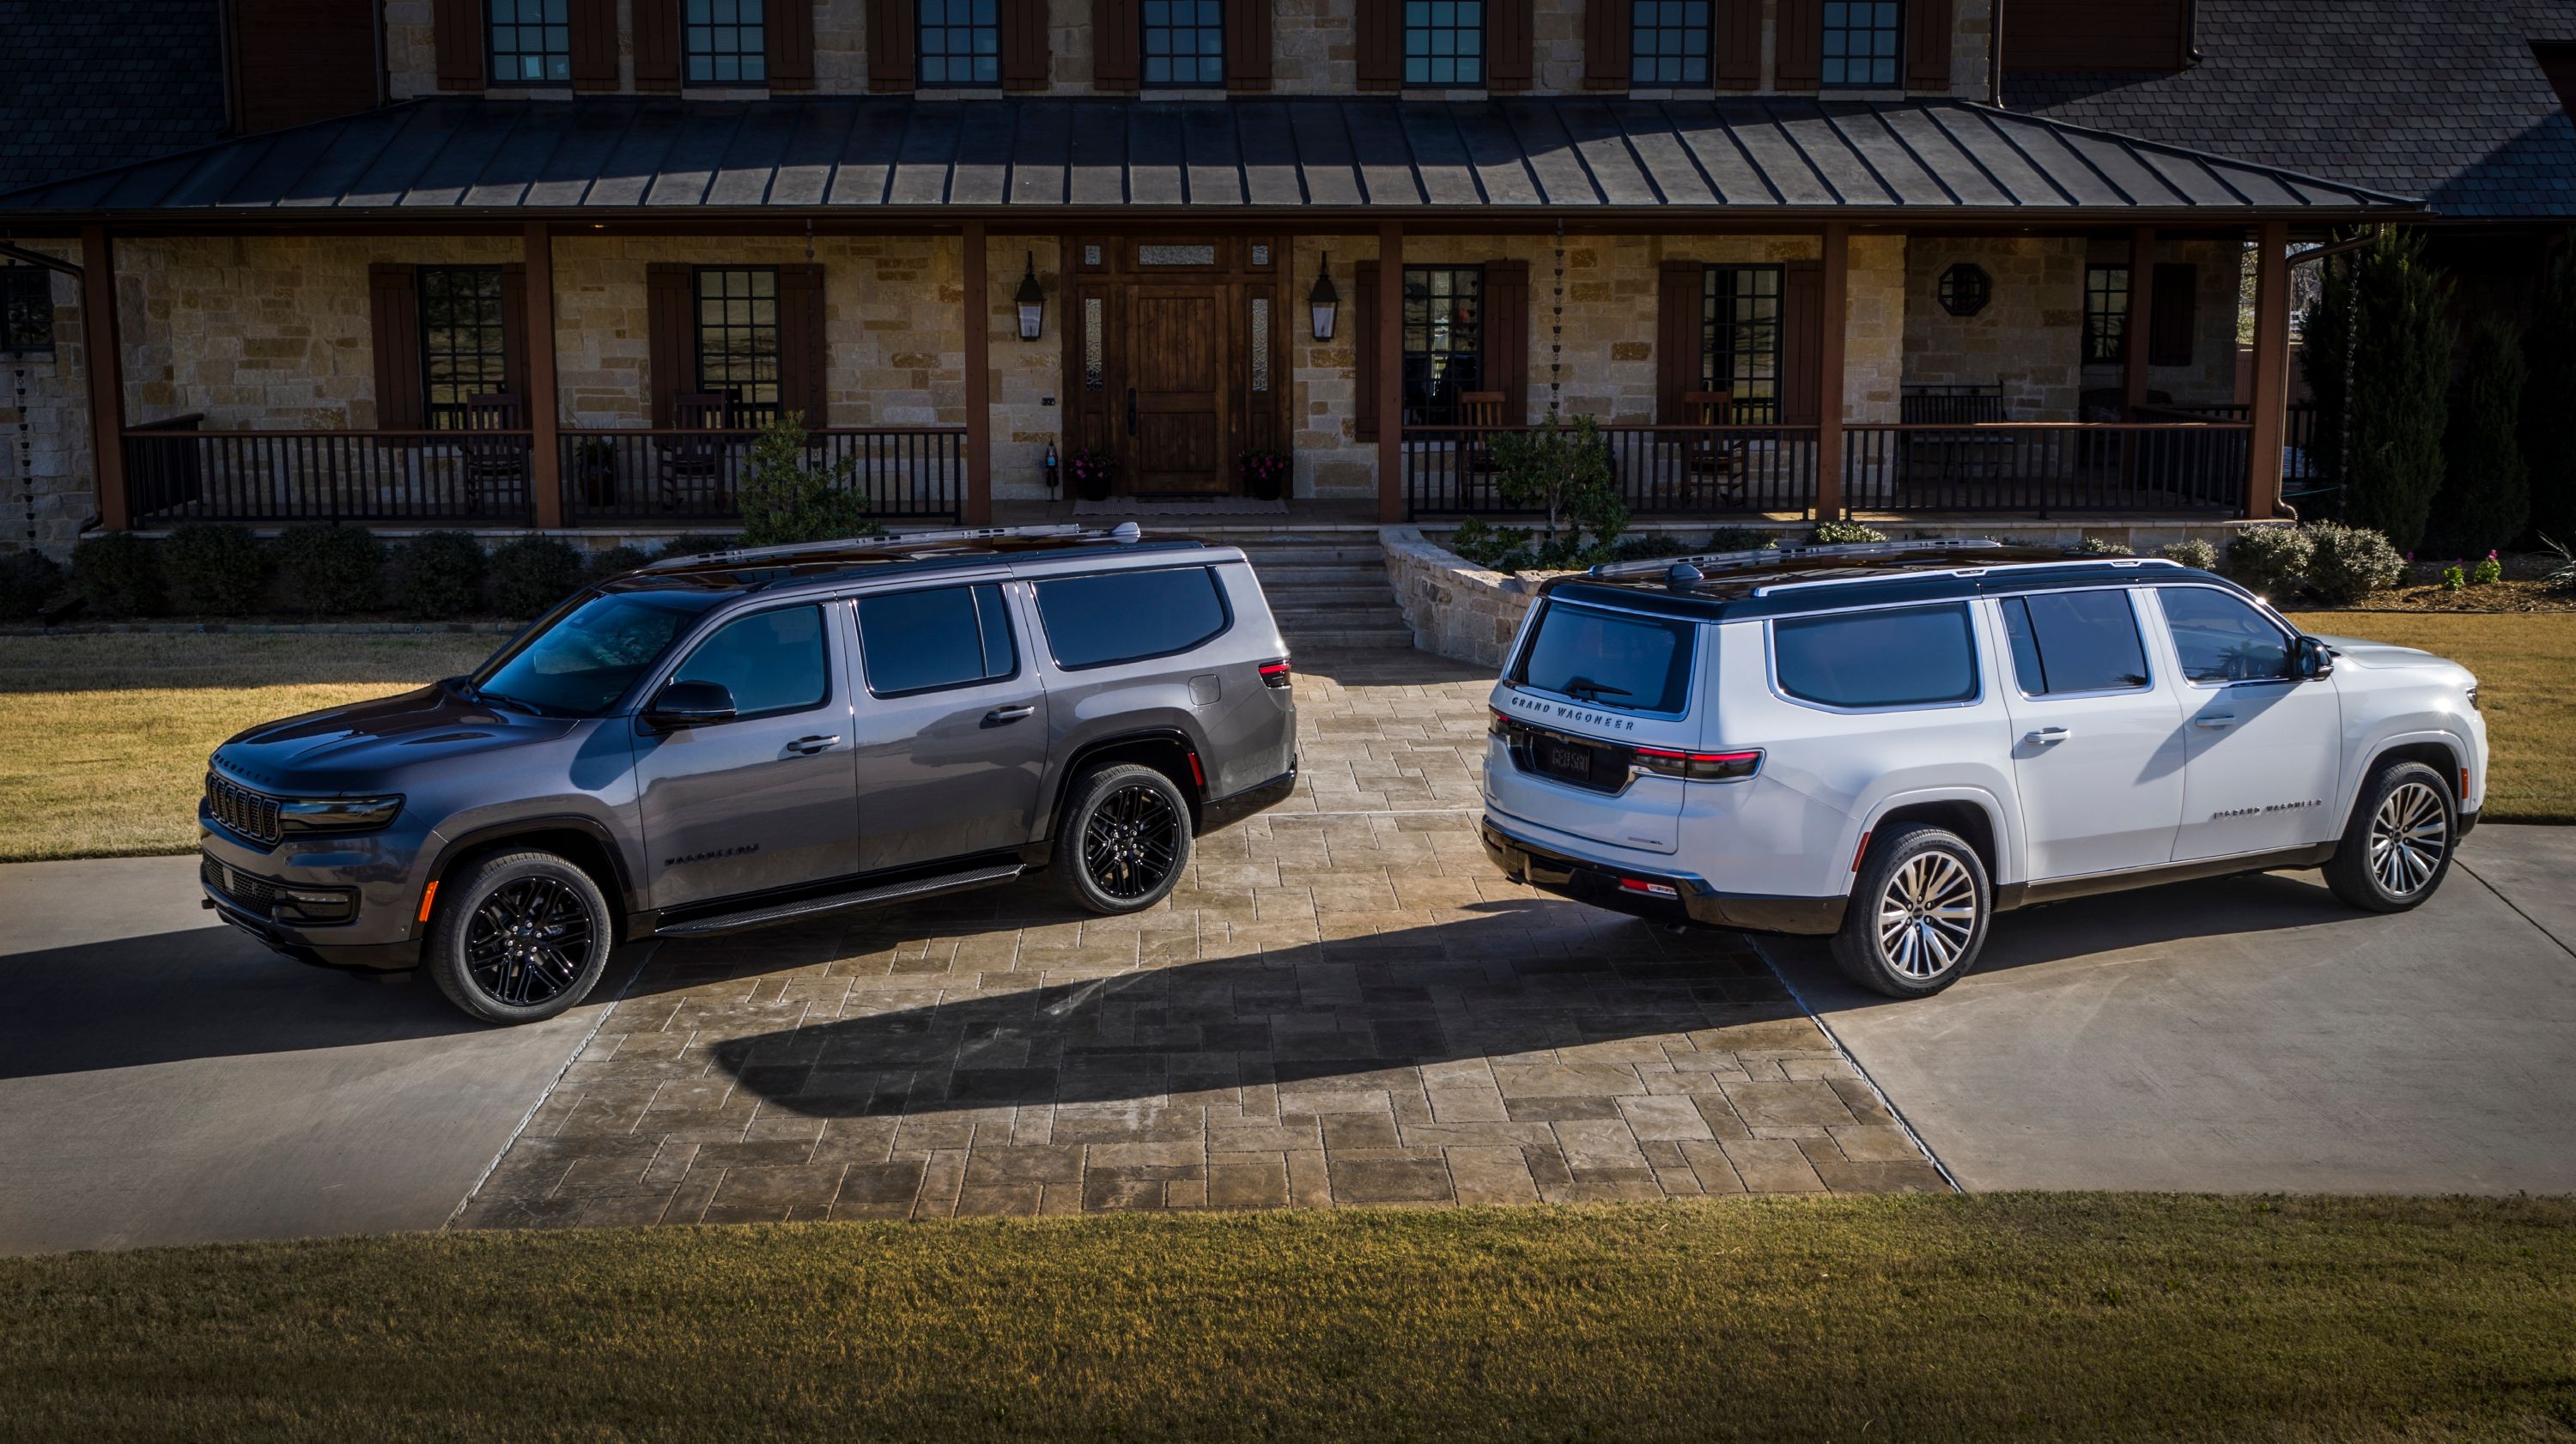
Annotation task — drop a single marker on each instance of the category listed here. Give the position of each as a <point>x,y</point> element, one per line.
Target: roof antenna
<point>1126,531</point>
<point>1682,576</point>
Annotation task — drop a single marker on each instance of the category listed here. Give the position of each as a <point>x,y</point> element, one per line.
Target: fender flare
<point>1054,790</point>
<point>2004,823</point>
<point>629,900</point>
<point>2368,754</point>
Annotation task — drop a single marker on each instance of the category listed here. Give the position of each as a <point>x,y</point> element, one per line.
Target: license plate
<point>1565,761</point>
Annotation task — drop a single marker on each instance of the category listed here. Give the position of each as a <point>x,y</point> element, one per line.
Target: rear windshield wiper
<point>1584,688</point>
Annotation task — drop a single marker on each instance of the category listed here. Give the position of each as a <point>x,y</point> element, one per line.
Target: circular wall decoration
<point>1965,289</point>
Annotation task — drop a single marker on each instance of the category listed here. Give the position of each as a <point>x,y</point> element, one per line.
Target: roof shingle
<point>103,83</point>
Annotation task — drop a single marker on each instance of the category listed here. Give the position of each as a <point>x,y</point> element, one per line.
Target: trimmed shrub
<point>28,580</point>
<point>439,574</point>
<point>1495,548</point>
<point>2192,552</point>
<point>2102,546</point>
<point>1648,546</point>
<point>531,574</point>
<point>1741,539</point>
<point>2377,352</point>
<point>2348,563</point>
<point>2270,560</point>
<point>332,570</point>
<point>215,570</point>
<point>697,545</point>
<point>615,560</point>
<point>118,575</point>
<point>1844,533</point>
<point>2486,488</point>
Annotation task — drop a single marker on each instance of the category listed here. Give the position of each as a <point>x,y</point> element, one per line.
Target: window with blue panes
<point>961,42</point>
<point>531,42</point>
<point>1184,42</point>
<point>727,42</point>
<point>1668,42</point>
<point>1863,43</point>
<point>1444,42</point>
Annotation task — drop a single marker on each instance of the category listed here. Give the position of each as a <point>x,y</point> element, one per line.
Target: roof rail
<point>1125,531</point>
<point>1708,562</point>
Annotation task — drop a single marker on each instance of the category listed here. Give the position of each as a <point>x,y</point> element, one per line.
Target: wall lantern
<point>1323,301</point>
<point>1032,302</point>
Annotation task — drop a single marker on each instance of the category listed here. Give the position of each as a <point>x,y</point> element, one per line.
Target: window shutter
<point>804,357</point>
<point>670,336</point>
<point>1380,25</point>
<point>594,44</point>
<point>2172,313</point>
<point>790,31</point>
<point>1737,35</point>
<point>514,331</point>
<point>1023,25</point>
<point>456,27</point>
<point>1800,63</point>
<point>1507,336</point>
<point>1247,44</point>
<point>1114,44</point>
<point>1363,334</point>
<point>1927,45</point>
<point>1802,342</point>
<point>1508,61</point>
<point>894,45</point>
<point>1607,33</point>
<point>1677,338</point>
<point>393,296</point>
<point>657,44</point>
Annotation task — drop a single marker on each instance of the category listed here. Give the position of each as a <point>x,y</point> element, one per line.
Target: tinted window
<point>944,637</point>
<point>1909,657</point>
<point>772,661</point>
<point>1611,659</point>
<point>1128,616</point>
<point>587,654</point>
<point>2075,642</point>
<point>2222,638</point>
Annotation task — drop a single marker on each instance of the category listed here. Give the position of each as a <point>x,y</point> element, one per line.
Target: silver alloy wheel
<point>2408,836</point>
<point>1926,915</point>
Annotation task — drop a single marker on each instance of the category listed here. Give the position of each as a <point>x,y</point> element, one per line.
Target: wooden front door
<point>1175,361</point>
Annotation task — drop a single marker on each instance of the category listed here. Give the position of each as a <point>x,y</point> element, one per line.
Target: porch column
<point>545,453</point>
<point>1829,386</point>
<point>103,353</point>
<point>2133,354</point>
<point>1389,342</point>
<point>978,503</point>
<point>2271,399</point>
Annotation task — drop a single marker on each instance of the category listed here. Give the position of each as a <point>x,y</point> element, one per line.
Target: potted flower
<point>1093,471</point>
<point>1264,472</point>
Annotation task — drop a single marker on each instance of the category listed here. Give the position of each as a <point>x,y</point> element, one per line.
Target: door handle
<point>1001,715</point>
<point>1131,410</point>
<point>2215,719</point>
<point>808,746</point>
<point>2048,736</point>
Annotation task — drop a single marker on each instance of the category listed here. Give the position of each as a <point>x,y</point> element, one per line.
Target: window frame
<point>922,56</point>
<point>492,52</point>
<point>455,413</point>
<point>2182,669</point>
<point>2136,625</point>
<point>1710,327</point>
<point>1825,60</point>
<point>43,286</point>
<point>1481,29</point>
<point>689,651</point>
<point>757,55</point>
<point>1420,414</point>
<point>2106,329</point>
<point>738,411</point>
<point>1145,56</point>
<point>1976,660</point>
<point>1002,605</point>
<point>1216,583</point>
<point>1702,54</point>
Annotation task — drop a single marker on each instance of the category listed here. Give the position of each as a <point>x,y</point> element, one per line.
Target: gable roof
<point>2435,98</point>
<point>105,82</point>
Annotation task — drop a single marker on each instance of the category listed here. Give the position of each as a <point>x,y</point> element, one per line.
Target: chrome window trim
<point>1976,659</point>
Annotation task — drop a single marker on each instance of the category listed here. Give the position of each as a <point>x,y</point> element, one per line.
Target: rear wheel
<point>1918,911</point>
<point>1124,839</point>
<point>518,937</point>
<point>2396,846</point>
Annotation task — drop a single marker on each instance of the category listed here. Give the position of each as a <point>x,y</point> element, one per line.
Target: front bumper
<point>254,891</point>
<point>1664,896</point>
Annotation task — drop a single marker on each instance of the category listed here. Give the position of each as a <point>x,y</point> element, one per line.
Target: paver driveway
<point>1344,1004</point>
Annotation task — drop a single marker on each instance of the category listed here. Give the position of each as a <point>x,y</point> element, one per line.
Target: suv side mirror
<point>691,704</point>
<point>2313,659</point>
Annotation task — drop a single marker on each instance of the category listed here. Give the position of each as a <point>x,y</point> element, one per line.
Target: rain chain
<point>1556,329</point>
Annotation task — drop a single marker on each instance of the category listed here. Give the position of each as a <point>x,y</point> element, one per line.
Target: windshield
<point>1609,659</point>
<point>584,657</point>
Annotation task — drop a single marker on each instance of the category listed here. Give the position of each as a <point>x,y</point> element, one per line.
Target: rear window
<point>927,640</point>
<point>2075,642</point>
<point>1609,659</point>
<point>1114,617</point>
<point>1903,657</point>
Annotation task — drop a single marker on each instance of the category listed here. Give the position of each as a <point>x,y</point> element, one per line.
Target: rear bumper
<point>1691,899</point>
<point>1226,811</point>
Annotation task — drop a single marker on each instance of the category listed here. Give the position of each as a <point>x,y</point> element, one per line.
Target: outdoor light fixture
<point>1032,302</point>
<point>1323,300</point>
<point>1051,466</point>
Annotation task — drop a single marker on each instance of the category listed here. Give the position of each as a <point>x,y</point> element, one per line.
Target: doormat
<point>1180,506</point>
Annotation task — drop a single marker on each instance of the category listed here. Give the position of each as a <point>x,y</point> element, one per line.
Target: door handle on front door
<point>2048,736</point>
<point>808,746</point>
<point>1001,715</point>
<point>2215,719</point>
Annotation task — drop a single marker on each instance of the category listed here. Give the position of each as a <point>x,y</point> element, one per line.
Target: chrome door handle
<point>1009,714</point>
<point>2215,719</point>
<point>808,746</point>
<point>2048,736</point>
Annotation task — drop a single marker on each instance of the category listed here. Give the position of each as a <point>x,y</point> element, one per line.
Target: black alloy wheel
<point>528,941</point>
<point>1131,845</point>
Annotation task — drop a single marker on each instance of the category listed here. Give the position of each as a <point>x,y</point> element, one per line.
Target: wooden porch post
<point>545,453</point>
<point>1829,385</point>
<point>979,384</point>
<point>2133,354</point>
<point>103,353</point>
<point>2271,399</point>
<point>1389,342</point>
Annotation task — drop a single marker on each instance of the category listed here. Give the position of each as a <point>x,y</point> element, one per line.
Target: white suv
<point>1891,743</point>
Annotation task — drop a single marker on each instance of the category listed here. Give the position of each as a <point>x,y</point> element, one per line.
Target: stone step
<point>1268,554</point>
<point>1279,578</point>
<point>1372,592</point>
<point>1339,615</point>
<point>1372,639</point>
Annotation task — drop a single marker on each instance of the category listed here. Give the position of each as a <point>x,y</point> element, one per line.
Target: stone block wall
<point>1456,608</point>
<point>46,486</point>
<point>2028,339</point>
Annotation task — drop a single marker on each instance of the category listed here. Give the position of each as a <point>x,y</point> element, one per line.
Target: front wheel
<point>518,937</point>
<point>2396,846</point>
<point>1918,911</point>
<point>1124,839</point>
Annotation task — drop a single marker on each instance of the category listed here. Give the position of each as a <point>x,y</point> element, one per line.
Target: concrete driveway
<point>2250,1034</point>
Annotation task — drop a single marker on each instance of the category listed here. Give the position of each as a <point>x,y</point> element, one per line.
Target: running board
<point>891,892</point>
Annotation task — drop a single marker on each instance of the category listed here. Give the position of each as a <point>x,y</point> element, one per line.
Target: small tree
<point>1565,473</point>
<point>2486,489</point>
<point>2549,400</point>
<point>785,500</point>
<point>2377,350</point>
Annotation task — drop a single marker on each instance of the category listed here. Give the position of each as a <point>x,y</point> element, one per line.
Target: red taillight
<point>1496,724</point>
<point>1647,889</point>
<point>1700,766</point>
<point>1274,674</point>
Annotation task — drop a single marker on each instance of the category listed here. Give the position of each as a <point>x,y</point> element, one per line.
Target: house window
<point>1740,338</point>
<point>531,42</point>
<point>1861,43</point>
<point>738,340</point>
<point>1444,340</point>
<point>727,42</point>
<point>1668,42</point>
<point>2106,313</point>
<point>1444,42</point>
<point>961,42</point>
<point>463,341</point>
<point>26,311</point>
<point>1184,42</point>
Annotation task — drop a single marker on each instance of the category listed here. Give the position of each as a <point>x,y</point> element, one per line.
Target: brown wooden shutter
<point>1802,343</point>
<point>1800,60</point>
<point>300,60</point>
<point>804,356</point>
<point>1115,44</point>
<point>1380,36</point>
<point>671,335</point>
<point>894,45</point>
<point>790,31</point>
<point>1607,34</point>
<point>514,330</point>
<point>1509,59</point>
<point>456,27</point>
<point>2172,311</point>
<point>1506,361</point>
<point>594,44</point>
<point>1023,24</point>
<point>1927,45</point>
<point>1678,289</point>
<point>393,297</point>
<point>1247,44</point>
<point>1363,334</point>
<point>657,44</point>
<point>1737,37</point>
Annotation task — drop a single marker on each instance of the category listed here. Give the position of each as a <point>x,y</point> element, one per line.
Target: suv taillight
<point>1274,674</point>
<point>1496,724</point>
<point>1699,766</point>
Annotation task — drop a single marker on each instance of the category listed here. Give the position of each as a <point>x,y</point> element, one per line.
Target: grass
<point>2033,1316</point>
<point>2526,666</point>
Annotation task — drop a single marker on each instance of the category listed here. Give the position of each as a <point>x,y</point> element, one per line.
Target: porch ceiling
<point>1756,160</point>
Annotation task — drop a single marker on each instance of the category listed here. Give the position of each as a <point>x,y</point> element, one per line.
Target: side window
<point>944,637</point>
<point>2223,638</point>
<point>1129,616</point>
<point>1904,657</point>
<point>2075,642</point>
<point>771,661</point>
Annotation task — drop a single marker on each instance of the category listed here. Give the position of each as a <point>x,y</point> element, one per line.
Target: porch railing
<point>2043,467</point>
<point>2298,434</point>
<point>652,476</point>
<point>175,473</point>
<point>1659,470</point>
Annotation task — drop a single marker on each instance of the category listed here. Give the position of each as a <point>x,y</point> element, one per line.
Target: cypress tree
<point>2486,489</point>
<point>2377,352</point>
<point>2549,403</point>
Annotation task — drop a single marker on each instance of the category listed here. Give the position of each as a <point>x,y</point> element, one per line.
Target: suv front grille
<point>252,814</point>
<point>241,887</point>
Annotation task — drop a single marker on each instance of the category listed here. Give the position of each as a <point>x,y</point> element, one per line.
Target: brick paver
<point>1344,1004</point>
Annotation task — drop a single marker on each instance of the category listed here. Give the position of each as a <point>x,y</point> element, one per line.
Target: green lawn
<point>2035,1316</point>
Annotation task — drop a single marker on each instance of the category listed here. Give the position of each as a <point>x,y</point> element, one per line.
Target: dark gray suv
<point>725,741</point>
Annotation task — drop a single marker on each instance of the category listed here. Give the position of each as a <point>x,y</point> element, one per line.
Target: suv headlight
<point>338,814</point>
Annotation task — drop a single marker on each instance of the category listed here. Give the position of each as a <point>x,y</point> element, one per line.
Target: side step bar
<point>891,892</point>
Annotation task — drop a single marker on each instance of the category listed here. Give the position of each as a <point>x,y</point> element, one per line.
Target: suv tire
<point>1124,840</point>
<point>1918,912</point>
<point>2397,845</point>
<point>518,937</point>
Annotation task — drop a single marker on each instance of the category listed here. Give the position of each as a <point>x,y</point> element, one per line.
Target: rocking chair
<point>1713,465</point>
<point>690,462</point>
<point>496,464</point>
